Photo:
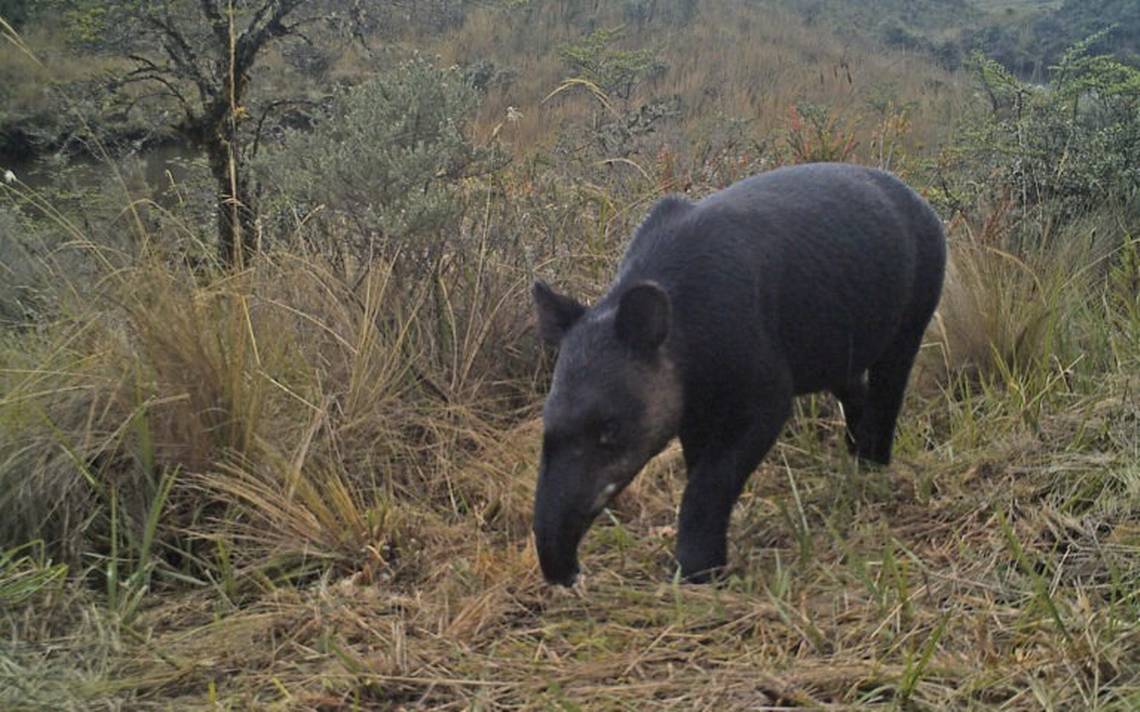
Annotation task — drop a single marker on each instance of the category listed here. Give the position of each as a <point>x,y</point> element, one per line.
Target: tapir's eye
<point>608,433</point>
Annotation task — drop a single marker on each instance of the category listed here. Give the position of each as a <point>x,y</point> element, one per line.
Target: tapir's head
<point>615,402</point>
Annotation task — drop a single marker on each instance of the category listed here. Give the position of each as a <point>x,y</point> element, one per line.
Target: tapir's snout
<point>560,521</point>
<point>557,556</point>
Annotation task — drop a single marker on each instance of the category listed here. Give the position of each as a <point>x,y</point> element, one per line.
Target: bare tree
<point>200,54</point>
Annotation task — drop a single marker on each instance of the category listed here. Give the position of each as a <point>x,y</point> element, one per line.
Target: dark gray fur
<point>804,279</point>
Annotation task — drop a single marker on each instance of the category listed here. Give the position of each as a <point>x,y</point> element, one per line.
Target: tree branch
<point>265,26</point>
<point>151,72</point>
<point>180,54</point>
<point>265,115</point>
<point>219,24</point>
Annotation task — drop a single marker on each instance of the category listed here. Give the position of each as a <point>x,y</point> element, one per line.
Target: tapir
<point>817,277</point>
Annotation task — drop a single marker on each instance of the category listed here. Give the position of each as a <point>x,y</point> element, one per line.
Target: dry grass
<point>26,78</point>
<point>732,60</point>
<point>334,535</point>
<point>1002,575</point>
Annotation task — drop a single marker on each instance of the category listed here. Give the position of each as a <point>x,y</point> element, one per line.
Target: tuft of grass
<point>25,572</point>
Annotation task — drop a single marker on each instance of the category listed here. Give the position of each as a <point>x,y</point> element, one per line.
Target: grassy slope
<point>747,61</point>
<point>363,545</point>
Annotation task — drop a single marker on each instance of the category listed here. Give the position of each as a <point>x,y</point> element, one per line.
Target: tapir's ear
<point>556,313</point>
<point>644,316</point>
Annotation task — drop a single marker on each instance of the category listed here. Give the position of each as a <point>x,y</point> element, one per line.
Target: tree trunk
<point>212,121</point>
<point>237,213</point>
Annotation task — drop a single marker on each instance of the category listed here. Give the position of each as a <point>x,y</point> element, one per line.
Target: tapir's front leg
<point>718,469</point>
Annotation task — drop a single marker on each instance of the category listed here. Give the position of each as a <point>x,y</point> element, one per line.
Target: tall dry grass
<point>342,524</point>
<point>732,60</point>
<point>281,490</point>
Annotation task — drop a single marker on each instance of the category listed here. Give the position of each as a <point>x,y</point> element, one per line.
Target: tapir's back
<point>823,265</point>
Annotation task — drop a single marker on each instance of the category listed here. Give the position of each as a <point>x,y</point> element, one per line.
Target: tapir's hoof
<point>700,577</point>
<point>568,580</point>
<point>873,460</point>
<point>702,573</point>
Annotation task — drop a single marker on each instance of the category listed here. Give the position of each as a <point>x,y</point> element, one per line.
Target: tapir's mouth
<point>558,551</point>
<point>605,496</point>
<point>559,529</point>
<point>561,518</point>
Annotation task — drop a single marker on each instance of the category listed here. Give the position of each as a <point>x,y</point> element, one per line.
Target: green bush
<point>617,72</point>
<point>1059,151</point>
<point>386,159</point>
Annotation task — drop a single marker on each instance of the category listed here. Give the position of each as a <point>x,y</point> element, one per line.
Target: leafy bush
<point>1058,151</point>
<point>386,159</point>
<point>627,133</point>
<point>617,72</point>
<point>816,134</point>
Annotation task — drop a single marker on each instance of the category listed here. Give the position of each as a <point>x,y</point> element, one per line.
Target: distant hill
<point>1078,19</point>
<point>1027,36</point>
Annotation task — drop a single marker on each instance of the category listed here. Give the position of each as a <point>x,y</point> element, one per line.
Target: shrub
<point>817,134</point>
<point>617,72</point>
<point>386,159</point>
<point>1059,151</point>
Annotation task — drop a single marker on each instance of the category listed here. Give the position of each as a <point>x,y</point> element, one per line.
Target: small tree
<point>617,72</point>
<point>200,54</point>
<point>1060,151</point>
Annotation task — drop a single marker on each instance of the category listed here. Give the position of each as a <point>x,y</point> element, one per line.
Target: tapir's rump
<point>804,279</point>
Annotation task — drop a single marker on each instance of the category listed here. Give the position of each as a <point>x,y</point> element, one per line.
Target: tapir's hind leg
<point>886,385</point>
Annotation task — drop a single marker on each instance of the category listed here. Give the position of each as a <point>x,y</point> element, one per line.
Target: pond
<point>159,173</point>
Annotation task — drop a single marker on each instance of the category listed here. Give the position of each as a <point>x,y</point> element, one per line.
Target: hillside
<point>1026,36</point>
<point>271,417</point>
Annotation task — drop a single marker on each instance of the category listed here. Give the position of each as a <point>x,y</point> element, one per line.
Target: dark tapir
<point>808,278</point>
